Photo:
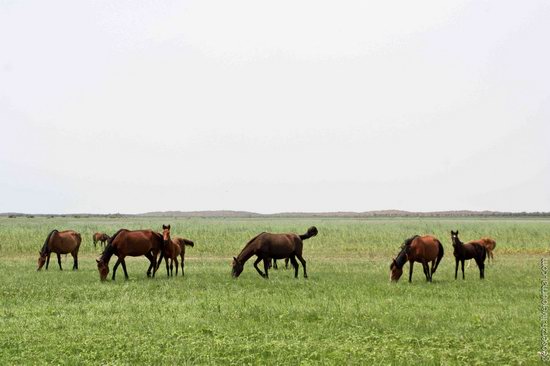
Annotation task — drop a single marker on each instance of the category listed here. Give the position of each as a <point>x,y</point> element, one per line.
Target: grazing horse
<point>60,242</point>
<point>130,243</point>
<point>101,237</point>
<point>172,249</point>
<point>277,246</point>
<point>466,251</point>
<point>421,249</point>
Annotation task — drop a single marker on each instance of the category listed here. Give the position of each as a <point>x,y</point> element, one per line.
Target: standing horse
<point>130,243</point>
<point>101,237</point>
<point>466,251</point>
<point>182,242</point>
<point>172,249</point>
<point>60,242</point>
<point>421,249</point>
<point>277,246</point>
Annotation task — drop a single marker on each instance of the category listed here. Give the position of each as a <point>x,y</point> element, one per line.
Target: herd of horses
<point>267,247</point>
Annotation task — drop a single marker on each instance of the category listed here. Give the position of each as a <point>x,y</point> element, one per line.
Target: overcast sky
<point>269,106</point>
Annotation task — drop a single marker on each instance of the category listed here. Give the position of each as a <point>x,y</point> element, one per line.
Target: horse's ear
<point>456,233</point>
<point>235,259</point>
<point>168,227</point>
<point>163,226</point>
<point>97,260</point>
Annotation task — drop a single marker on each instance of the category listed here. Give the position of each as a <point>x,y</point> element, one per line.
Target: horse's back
<point>425,248</point>
<point>136,243</point>
<point>278,246</point>
<point>64,242</point>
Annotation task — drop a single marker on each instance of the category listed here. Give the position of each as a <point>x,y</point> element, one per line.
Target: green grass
<point>345,313</point>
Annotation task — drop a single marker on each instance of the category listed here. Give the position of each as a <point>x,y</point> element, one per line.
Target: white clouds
<point>268,106</point>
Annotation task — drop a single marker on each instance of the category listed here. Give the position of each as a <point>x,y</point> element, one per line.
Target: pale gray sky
<point>268,106</point>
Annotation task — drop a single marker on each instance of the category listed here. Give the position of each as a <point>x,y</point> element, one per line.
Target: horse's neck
<point>107,254</point>
<point>246,253</point>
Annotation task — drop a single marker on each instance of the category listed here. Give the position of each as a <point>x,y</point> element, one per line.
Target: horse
<point>172,249</point>
<point>421,249</point>
<point>130,243</point>
<point>101,237</point>
<point>466,251</point>
<point>489,245</point>
<point>267,246</point>
<point>60,242</point>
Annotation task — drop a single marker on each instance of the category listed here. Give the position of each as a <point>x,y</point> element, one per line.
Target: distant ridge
<point>342,214</point>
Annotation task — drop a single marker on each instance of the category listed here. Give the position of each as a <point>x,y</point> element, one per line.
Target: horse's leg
<point>462,265</point>
<point>303,261</point>
<point>182,261</point>
<point>267,262</point>
<point>59,261</point>
<point>151,263</point>
<point>48,260</point>
<point>123,262</point>
<point>426,270</point>
<point>481,267</point>
<point>75,258</point>
<point>411,263</point>
<point>456,268</point>
<point>171,267</point>
<point>433,269</point>
<point>295,265</point>
<point>167,267</point>
<point>275,264</point>
<point>256,266</point>
<point>115,268</point>
<point>286,263</point>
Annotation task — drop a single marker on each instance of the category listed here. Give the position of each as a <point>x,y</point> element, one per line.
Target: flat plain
<point>346,312</point>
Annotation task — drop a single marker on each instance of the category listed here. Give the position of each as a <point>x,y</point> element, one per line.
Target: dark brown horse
<point>423,249</point>
<point>130,243</point>
<point>60,242</point>
<point>277,246</point>
<point>101,237</point>
<point>172,249</point>
<point>471,250</point>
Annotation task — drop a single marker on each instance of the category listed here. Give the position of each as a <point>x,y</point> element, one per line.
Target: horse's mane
<point>409,241</point>
<point>250,242</point>
<point>110,241</point>
<point>45,246</point>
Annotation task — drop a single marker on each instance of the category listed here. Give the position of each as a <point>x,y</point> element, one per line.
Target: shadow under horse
<point>267,246</point>
<point>422,249</point>
<point>466,251</point>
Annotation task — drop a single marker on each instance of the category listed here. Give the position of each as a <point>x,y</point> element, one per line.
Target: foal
<point>466,251</point>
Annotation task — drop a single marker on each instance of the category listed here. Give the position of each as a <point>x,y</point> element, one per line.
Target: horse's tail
<point>45,246</point>
<point>188,242</point>
<point>439,256</point>
<point>311,232</point>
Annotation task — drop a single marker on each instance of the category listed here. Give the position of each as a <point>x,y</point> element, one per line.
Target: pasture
<point>346,312</point>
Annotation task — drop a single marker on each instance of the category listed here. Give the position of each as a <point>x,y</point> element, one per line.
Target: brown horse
<point>172,249</point>
<point>130,243</point>
<point>423,249</point>
<point>277,246</point>
<point>466,251</point>
<point>60,242</point>
<point>101,237</point>
<point>182,242</point>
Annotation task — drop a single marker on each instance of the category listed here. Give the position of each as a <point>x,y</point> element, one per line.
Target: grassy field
<point>345,313</point>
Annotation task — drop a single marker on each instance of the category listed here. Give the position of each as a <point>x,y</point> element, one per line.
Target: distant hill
<point>342,214</point>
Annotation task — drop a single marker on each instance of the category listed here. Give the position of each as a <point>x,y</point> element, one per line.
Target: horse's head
<point>237,268</point>
<point>41,259</point>
<point>395,271</point>
<point>454,238</point>
<point>103,269</point>
<point>166,233</point>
